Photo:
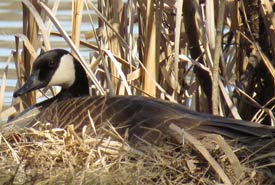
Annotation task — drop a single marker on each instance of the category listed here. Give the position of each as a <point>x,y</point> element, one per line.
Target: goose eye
<point>51,63</point>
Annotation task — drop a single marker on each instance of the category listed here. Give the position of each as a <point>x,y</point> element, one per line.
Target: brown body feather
<point>143,117</point>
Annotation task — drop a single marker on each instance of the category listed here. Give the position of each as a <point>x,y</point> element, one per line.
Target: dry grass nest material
<point>60,156</point>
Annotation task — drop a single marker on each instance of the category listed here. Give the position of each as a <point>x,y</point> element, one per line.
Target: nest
<point>60,156</point>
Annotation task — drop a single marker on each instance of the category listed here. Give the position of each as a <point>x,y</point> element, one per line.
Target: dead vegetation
<point>61,157</point>
<point>220,62</point>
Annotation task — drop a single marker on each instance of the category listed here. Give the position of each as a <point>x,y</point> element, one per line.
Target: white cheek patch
<point>65,73</point>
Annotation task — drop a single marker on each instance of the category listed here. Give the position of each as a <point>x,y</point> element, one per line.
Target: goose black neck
<point>80,86</point>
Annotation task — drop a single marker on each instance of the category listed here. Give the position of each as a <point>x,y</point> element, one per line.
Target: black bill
<point>32,83</point>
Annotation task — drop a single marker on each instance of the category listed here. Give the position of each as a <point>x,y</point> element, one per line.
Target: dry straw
<point>162,49</point>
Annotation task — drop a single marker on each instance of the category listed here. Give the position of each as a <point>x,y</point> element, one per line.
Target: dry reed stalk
<point>230,155</point>
<point>66,151</point>
<point>129,34</point>
<point>194,35</point>
<point>30,29</point>
<point>54,10</point>
<point>73,47</point>
<point>37,15</point>
<point>199,146</point>
<point>100,15</point>
<point>232,107</point>
<point>99,40</point>
<point>102,159</point>
<point>114,15</point>
<point>177,45</point>
<point>94,47</point>
<point>77,8</point>
<point>159,20</point>
<point>150,58</point>
<point>3,85</point>
<point>266,10</point>
<point>167,81</point>
<point>17,60</point>
<point>216,57</point>
<point>118,68</point>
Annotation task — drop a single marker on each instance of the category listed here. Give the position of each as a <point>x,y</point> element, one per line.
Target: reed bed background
<point>212,56</point>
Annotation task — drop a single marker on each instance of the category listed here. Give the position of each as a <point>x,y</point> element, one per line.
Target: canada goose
<point>140,116</point>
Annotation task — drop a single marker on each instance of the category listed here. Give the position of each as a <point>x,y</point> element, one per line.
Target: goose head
<point>57,68</point>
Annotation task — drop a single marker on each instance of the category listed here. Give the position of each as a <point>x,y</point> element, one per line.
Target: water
<point>11,24</point>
